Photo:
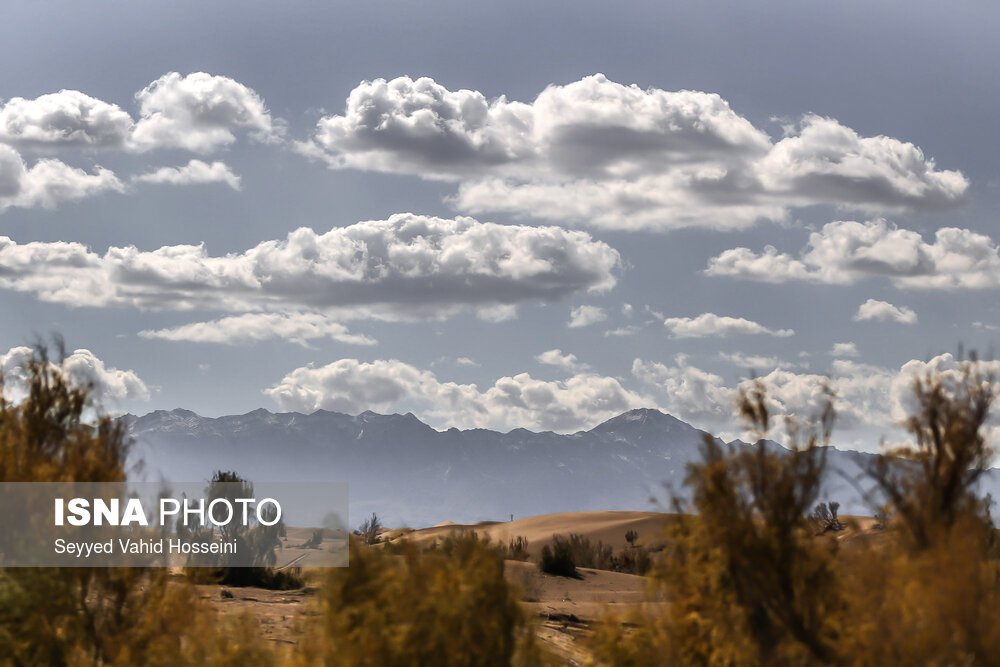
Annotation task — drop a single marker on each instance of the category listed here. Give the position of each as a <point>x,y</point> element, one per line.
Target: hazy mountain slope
<point>410,473</point>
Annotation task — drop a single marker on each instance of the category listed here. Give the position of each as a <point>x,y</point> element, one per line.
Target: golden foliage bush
<point>749,583</point>
<point>428,608</point>
<point>102,616</point>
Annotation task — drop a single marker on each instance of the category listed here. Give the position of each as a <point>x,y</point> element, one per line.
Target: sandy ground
<point>564,608</point>
<point>608,527</point>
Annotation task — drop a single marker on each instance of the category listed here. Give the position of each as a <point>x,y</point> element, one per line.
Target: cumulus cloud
<point>199,112</point>
<point>828,162</point>
<point>406,267</point>
<point>706,399</point>
<point>48,182</point>
<point>883,311</point>
<point>844,350</point>
<point>754,362</point>
<point>300,328</point>
<point>845,252</point>
<point>945,366</point>
<point>584,316</point>
<point>194,172</point>
<point>598,152</point>
<point>710,324</point>
<point>81,369</point>
<point>67,119</point>
<point>866,396</point>
<point>691,393</point>
<point>567,362</point>
<point>351,386</point>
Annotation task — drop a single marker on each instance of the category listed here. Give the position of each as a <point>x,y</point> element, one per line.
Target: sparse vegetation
<point>369,530</point>
<point>314,540</point>
<point>449,606</point>
<point>557,558</point>
<point>750,582</point>
<point>825,518</point>
<point>253,564</point>
<point>94,616</point>
<point>760,573</point>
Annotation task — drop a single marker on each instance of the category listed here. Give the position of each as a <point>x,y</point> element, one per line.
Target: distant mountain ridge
<point>410,473</point>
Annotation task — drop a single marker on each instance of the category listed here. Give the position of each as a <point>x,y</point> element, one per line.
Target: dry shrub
<point>102,616</point>
<point>427,608</point>
<point>749,582</point>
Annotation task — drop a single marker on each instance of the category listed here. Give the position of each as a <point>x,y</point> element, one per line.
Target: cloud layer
<point>81,368</point>
<point>406,267</point>
<point>846,252</point>
<point>198,112</point>
<point>195,172</point>
<point>883,311</point>
<point>710,324</point>
<point>597,152</point>
<point>299,328</point>
<point>866,395</point>
<point>351,386</point>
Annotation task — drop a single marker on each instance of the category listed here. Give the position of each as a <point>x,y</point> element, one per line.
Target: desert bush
<point>98,616</point>
<point>254,560</point>
<point>314,541</point>
<point>633,560</point>
<point>748,583</point>
<point>515,549</point>
<point>430,608</point>
<point>824,518</point>
<point>369,529</point>
<point>557,558</point>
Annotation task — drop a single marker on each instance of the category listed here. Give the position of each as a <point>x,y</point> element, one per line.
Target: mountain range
<point>412,474</point>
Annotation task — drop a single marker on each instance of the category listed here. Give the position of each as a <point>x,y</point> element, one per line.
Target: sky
<point>501,215</point>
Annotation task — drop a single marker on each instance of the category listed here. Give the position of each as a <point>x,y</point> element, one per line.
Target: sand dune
<point>608,527</point>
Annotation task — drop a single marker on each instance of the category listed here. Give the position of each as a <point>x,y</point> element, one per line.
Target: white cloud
<point>844,350</point>
<point>584,316</point>
<point>710,324</point>
<point>690,393</point>
<point>627,309</point>
<point>67,119</point>
<point>298,328</point>
<point>567,362</point>
<point>883,311</point>
<point>944,366</point>
<point>830,163</point>
<point>601,153</point>
<point>497,313</point>
<point>754,362</point>
<point>406,267</point>
<point>194,172</point>
<point>465,361</point>
<point>708,401</point>
<point>200,113</point>
<point>866,396</point>
<point>845,252</point>
<point>351,386</point>
<point>622,331</point>
<point>81,369</point>
<point>48,182</point>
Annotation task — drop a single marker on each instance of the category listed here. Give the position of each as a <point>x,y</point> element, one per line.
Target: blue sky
<point>605,207</point>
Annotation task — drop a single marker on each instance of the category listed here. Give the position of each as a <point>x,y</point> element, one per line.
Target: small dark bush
<point>557,558</point>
